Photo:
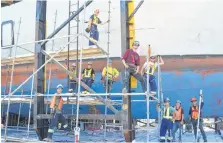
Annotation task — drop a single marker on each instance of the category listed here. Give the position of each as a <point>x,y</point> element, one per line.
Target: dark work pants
<point>109,86</point>
<point>177,125</point>
<point>73,85</point>
<point>128,73</point>
<point>87,81</point>
<point>54,123</point>
<point>93,34</point>
<point>194,123</point>
<point>152,82</point>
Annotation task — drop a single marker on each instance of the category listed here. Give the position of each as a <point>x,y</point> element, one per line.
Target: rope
<point>49,80</point>
<point>11,80</point>
<point>30,105</point>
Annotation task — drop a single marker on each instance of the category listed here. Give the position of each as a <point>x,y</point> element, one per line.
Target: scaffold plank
<point>87,53</point>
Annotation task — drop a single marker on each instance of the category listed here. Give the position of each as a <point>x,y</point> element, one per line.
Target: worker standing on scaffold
<point>73,83</point>
<point>88,76</point>
<point>55,110</point>
<point>150,70</point>
<point>111,74</point>
<point>131,61</point>
<point>194,113</point>
<point>93,23</point>
<point>167,121</point>
<point>179,120</point>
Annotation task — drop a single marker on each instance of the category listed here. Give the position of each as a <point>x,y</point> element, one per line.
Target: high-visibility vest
<point>178,114</point>
<point>73,72</point>
<point>166,113</point>
<point>95,19</point>
<point>111,72</point>
<point>194,112</point>
<point>151,69</point>
<point>87,72</point>
<point>56,103</point>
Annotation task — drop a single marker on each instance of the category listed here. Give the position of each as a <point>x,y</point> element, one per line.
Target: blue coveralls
<point>166,124</point>
<point>94,30</point>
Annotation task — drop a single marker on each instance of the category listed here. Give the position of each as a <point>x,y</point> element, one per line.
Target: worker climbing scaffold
<point>131,61</point>
<point>109,74</point>
<point>56,113</point>
<point>167,121</point>
<point>93,23</point>
<point>150,70</point>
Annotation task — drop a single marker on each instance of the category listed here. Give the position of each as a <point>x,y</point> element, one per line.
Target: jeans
<point>88,81</point>
<point>177,125</point>
<point>194,123</point>
<point>93,34</point>
<point>56,117</point>
<point>152,82</point>
<point>131,71</point>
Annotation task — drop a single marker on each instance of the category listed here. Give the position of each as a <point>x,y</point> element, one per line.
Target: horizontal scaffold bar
<point>82,116</point>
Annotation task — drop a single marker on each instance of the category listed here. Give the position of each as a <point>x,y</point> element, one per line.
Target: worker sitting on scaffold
<point>131,61</point>
<point>73,83</point>
<point>88,76</point>
<point>150,70</point>
<point>56,112</point>
<point>93,23</point>
<point>109,75</point>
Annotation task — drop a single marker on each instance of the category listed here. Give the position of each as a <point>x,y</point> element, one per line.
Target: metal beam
<point>67,21</point>
<point>40,60</point>
<point>135,10</point>
<point>110,106</point>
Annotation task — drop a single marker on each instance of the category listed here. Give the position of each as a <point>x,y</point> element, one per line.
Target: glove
<point>52,111</point>
<point>87,30</point>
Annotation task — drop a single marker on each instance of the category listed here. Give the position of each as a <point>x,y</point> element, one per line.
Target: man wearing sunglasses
<point>131,61</point>
<point>150,70</point>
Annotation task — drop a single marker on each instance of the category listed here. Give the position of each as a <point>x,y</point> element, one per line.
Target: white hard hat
<point>153,54</point>
<point>89,63</point>
<point>59,86</point>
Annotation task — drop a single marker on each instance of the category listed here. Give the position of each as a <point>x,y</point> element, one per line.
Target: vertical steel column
<point>68,47</point>
<point>129,133</point>
<point>39,126</point>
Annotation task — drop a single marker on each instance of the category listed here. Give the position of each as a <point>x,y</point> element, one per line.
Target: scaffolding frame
<point>80,83</point>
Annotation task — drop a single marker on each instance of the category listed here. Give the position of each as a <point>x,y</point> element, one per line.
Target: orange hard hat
<point>193,99</point>
<point>96,10</point>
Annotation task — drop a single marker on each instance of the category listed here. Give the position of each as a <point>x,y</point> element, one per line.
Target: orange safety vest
<point>194,112</point>
<point>178,114</point>
<point>59,105</point>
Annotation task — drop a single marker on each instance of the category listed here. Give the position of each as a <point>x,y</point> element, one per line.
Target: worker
<point>56,112</point>
<point>194,114</point>
<point>109,76</point>
<point>167,121</point>
<point>179,120</point>
<point>131,61</point>
<point>73,83</point>
<point>93,23</point>
<point>88,76</point>
<point>150,70</point>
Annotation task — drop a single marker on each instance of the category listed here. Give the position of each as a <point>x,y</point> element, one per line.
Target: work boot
<point>70,90</point>
<point>47,140</point>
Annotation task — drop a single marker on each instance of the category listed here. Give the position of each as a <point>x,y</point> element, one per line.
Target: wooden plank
<point>90,52</point>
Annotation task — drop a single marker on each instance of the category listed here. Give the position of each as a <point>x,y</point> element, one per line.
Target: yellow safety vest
<point>73,72</point>
<point>87,72</point>
<point>151,69</point>
<point>166,113</point>
<point>112,72</point>
<point>95,19</point>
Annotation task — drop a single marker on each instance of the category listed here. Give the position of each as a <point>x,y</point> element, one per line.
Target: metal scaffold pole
<point>108,46</point>
<point>77,129</point>
<point>160,94</point>
<point>11,80</point>
<point>20,107</point>
<point>50,73</point>
<point>30,105</point>
<point>148,90</point>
